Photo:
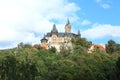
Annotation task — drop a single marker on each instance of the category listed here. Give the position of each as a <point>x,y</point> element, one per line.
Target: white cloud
<point>99,31</point>
<point>105,6</point>
<point>85,22</point>
<point>21,19</point>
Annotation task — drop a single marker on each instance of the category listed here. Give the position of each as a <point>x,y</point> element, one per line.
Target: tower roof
<point>79,33</point>
<point>54,30</point>
<point>68,22</point>
<point>44,39</point>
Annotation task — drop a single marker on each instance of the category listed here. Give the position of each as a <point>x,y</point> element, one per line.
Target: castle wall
<point>56,42</point>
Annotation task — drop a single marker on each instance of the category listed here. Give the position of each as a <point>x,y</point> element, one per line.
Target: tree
<point>20,45</point>
<point>80,45</point>
<point>118,68</point>
<point>52,50</point>
<point>81,41</point>
<point>27,46</point>
<point>111,46</point>
<point>117,48</point>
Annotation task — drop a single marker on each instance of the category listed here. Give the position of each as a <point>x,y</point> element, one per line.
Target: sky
<point>28,20</point>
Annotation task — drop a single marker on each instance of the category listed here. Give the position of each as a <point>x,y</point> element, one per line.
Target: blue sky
<point>28,20</point>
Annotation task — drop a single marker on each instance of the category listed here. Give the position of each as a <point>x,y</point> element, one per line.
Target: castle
<point>57,39</point>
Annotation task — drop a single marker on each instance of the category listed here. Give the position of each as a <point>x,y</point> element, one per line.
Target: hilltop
<point>34,63</point>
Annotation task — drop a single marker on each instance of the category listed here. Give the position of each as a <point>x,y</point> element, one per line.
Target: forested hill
<point>27,63</point>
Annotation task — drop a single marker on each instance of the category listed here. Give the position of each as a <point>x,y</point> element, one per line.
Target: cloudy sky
<point>28,20</point>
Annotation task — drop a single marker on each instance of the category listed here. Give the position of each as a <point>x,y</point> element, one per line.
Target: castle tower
<point>68,27</point>
<point>44,43</point>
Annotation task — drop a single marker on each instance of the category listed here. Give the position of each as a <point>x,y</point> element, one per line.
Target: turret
<point>44,43</point>
<point>79,33</point>
<point>44,40</point>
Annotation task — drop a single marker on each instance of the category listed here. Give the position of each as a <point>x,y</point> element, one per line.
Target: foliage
<point>40,64</point>
<point>118,68</point>
<point>81,41</point>
<point>52,50</point>
<point>112,47</point>
<point>80,45</point>
<point>12,69</point>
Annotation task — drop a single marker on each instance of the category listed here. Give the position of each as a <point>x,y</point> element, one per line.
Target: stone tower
<point>68,27</point>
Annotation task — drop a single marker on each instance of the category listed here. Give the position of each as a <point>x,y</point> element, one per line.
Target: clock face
<point>54,37</point>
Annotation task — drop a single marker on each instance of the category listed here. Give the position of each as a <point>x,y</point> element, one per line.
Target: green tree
<point>111,46</point>
<point>21,45</point>
<point>117,48</point>
<point>80,45</point>
<point>27,46</point>
<point>118,68</point>
<point>52,50</point>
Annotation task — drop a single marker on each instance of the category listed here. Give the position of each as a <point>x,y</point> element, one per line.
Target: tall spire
<point>68,22</point>
<point>54,26</point>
